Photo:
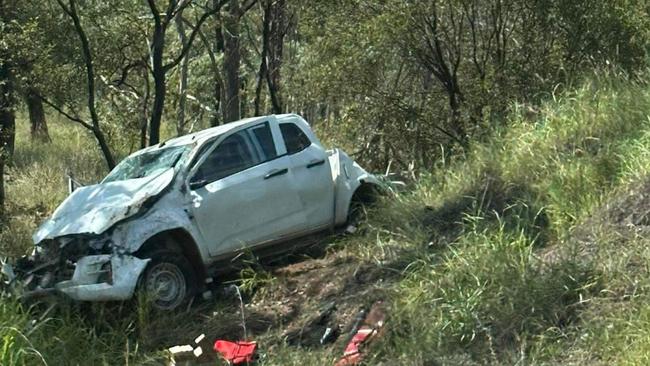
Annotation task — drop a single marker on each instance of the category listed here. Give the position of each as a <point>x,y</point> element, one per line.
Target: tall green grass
<point>510,282</point>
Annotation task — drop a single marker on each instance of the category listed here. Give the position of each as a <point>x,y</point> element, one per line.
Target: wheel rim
<point>166,284</point>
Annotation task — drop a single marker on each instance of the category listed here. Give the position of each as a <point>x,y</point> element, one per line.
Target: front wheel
<point>168,281</point>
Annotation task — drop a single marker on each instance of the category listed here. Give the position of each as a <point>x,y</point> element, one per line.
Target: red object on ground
<point>372,324</point>
<point>352,355</point>
<point>236,352</point>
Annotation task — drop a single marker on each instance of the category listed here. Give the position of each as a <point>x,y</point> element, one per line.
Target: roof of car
<point>203,135</point>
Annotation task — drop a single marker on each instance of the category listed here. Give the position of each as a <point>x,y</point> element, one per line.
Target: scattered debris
<point>180,354</point>
<point>200,353</point>
<point>313,331</point>
<point>363,334</point>
<point>236,353</point>
<point>329,335</point>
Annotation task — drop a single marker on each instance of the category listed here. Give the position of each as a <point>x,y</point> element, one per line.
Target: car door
<point>242,194</point>
<point>312,176</point>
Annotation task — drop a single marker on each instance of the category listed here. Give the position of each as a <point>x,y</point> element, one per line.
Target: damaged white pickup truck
<point>168,216</point>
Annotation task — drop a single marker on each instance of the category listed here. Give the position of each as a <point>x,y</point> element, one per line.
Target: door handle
<point>276,172</point>
<point>314,163</point>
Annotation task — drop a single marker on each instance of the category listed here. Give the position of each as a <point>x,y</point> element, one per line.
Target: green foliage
<point>504,274</point>
<point>371,68</point>
<point>15,332</point>
<point>360,70</point>
<point>252,279</point>
<point>486,297</point>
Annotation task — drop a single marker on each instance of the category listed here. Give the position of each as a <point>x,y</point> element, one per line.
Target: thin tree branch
<point>247,7</point>
<point>178,9</point>
<point>64,113</point>
<point>190,40</point>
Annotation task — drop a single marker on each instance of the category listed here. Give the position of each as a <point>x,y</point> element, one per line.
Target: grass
<point>483,279</point>
<point>504,255</point>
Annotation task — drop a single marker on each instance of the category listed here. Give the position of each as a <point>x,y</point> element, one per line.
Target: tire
<point>168,281</point>
<point>364,197</point>
<point>357,216</point>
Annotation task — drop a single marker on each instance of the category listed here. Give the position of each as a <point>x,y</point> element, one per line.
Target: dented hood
<point>94,209</point>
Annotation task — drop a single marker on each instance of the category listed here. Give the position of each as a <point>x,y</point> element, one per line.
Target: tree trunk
<point>90,78</point>
<point>7,119</point>
<point>218,46</point>
<point>278,29</point>
<point>213,49</point>
<point>145,109</point>
<point>2,190</point>
<point>38,124</point>
<point>182,85</point>
<point>261,74</point>
<point>7,113</point>
<point>232,59</point>
<point>143,133</point>
<point>456,100</point>
<point>216,106</point>
<point>103,145</point>
<point>158,69</point>
<point>7,116</point>
<point>160,87</point>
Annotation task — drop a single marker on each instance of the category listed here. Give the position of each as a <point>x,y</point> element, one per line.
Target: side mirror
<point>198,184</point>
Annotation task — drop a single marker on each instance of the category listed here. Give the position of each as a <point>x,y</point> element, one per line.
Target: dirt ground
<point>311,296</point>
<point>294,304</point>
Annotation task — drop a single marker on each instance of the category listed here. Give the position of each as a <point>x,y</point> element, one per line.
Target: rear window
<point>295,140</point>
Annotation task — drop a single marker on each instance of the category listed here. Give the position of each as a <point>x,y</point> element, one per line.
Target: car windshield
<point>146,164</point>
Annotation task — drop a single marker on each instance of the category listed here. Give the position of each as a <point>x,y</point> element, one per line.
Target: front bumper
<point>89,283</point>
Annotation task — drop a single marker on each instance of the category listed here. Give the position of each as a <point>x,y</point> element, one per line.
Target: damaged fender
<point>347,176</point>
<point>165,216</point>
<point>120,272</point>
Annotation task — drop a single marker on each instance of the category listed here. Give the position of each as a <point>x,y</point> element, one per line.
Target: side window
<point>231,156</point>
<point>206,146</point>
<point>294,138</point>
<point>264,138</point>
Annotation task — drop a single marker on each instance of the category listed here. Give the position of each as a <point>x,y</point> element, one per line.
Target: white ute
<point>168,216</point>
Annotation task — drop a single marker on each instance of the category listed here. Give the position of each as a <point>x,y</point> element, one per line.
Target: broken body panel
<point>91,247</point>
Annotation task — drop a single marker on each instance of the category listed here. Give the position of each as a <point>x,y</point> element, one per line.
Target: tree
<point>7,113</point>
<point>277,31</point>
<point>263,70</point>
<point>232,59</point>
<point>231,102</point>
<point>159,69</point>
<point>182,84</point>
<point>93,126</point>
<point>212,49</point>
<point>38,123</point>
<point>274,28</point>
<point>7,116</point>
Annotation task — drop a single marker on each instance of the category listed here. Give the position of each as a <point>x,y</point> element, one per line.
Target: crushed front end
<point>82,267</point>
